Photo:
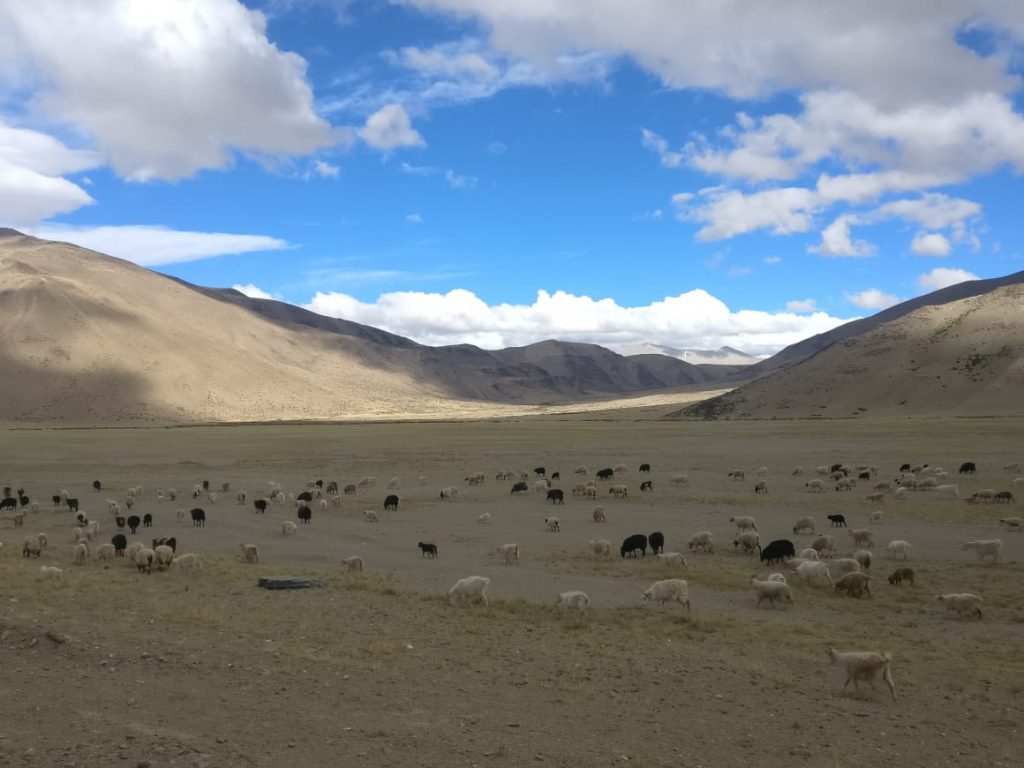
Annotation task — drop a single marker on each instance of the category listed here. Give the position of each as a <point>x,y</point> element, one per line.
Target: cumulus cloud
<point>694,319</point>
<point>659,146</point>
<point>872,298</point>
<point>163,89</point>
<point>801,305</point>
<point>458,180</point>
<point>836,240</point>
<point>943,277</point>
<point>151,246</point>
<point>390,128</point>
<point>930,244</point>
<point>252,291</point>
<point>326,170</point>
<point>726,213</point>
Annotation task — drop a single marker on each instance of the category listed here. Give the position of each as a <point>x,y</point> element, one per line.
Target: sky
<point>499,172</point>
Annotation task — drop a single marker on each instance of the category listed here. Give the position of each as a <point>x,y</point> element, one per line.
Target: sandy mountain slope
<point>964,357</point>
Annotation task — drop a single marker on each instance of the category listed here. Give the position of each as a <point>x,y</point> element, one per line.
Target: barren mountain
<point>88,338</point>
<point>962,357</point>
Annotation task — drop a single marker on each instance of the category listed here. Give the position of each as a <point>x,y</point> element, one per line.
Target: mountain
<point>720,356</point>
<point>87,338</point>
<point>963,356</point>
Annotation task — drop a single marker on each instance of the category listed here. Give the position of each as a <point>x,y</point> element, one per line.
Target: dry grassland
<point>114,667</point>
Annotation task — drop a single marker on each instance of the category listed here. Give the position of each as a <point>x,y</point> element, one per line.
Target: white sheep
<point>163,556</point>
<point>669,590</point>
<point>79,534</point>
<point>864,665</point>
<point>864,557</point>
<point>804,525</point>
<point>811,570</point>
<point>1013,468</point>
<point>80,553</point>
<point>288,528</point>
<point>762,471</point>
<point>947,491</point>
<point>189,562</point>
<point>748,541</point>
<point>394,482</point>
<point>370,516</point>
<point>898,548</point>
<point>143,559</point>
<point>986,548</point>
<point>964,603</point>
<point>484,518</point>
<point>704,540</point>
<point>601,547</point>
<point>815,486</point>
<point>449,493</point>
<point>780,577</point>
<point>250,553</point>
<point>679,479</point>
<point>553,524</point>
<point>367,482</point>
<point>876,516</point>
<point>900,493</point>
<point>92,529</point>
<point>598,514</point>
<point>131,549</point>
<point>51,573</point>
<point>470,589</point>
<point>771,591</point>
<point>844,565</point>
<point>810,553</point>
<point>580,470</point>
<point>574,600</point>
<point>352,564</point>
<point>619,490</point>
<point>31,546</point>
<point>744,523</point>
<point>509,554</point>
<point>105,553</point>
<point>862,537</point>
<point>798,470</point>
<point>672,559</point>
<point>1013,524</point>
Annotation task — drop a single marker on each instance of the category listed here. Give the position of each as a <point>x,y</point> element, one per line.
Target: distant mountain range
<point>720,356</point>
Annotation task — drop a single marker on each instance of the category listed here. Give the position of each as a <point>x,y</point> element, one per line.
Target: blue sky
<point>502,172</point>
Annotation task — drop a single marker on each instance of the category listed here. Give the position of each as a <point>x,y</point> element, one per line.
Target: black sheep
<point>168,541</point>
<point>120,542</point>
<point>520,488</point>
<point>657,542</point>
<point>8,504</point>
<point>261,506</point>
<point>428,550</point>
<point>645,467</point>
<point>539,471</point>
<point>119,521</point>
<point>556,475</point>
<point>904,468</point>
<point>305,496</point>
<point>56,500</point>
<point>647,485</point>
<point>779,550</point>
<point>206,485</point>
<point>97,485</point>
<point>198,518</point>
<point>72,505</point>
<point>23,500</point>
<point>633,543</point>
<point>305,515</point>
<point>391,502</point>
<point>837,521</point>
<point>133,523</point>
<point>332,488</point>
<point>555,496</point>
<point>968,468</point>
<point>147,520</point>
<point>605,474</point>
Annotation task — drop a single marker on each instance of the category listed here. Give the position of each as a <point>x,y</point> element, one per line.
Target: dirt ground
<point>113,667</point>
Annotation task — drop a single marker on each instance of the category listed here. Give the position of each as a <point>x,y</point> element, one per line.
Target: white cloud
<point>326,170</point>
<point>726,213</point>
<point>655,215</point>
<point>448,62</point>
<point>497,148</point>
<point>739,271</point>
<point>872,298</point>
<point>252,291</point>
<point>943,277</point>
<point>772,260</point>
<point>836,240</point>
<point>691,320</point>
<point>163,89</point>
<point>151,246</point>
<point>414,218</point>
<point>930,244</point>
<point>801,305</point>
<point>659,146</point>
<point>459,181</point>
<point>390,128</point>
<point>931,210</point>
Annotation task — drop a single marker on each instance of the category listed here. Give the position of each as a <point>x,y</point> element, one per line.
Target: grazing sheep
<point>738,474</point>
<point>1014,468</point>
<point>897,577</point>
<point>876,516</point>
<point>964,603</point>
<point>898,548</point>
<point>864,557</point>
<point>367,482</point>
<point>484,518</point>
<point>394,482</point>
<point>779,549</point>
<point>469,590</point>
<point>947,491</point>
<point>51,573</point>
<point>105,553</point>
<point>427,550</point>
<point>541,486</point>
<point>131,549</point>
<point>556,496</point>
<point>854,584</point>
<point>31,546</point>
<point>370,516</point>
<point>669,591</point>
<point>598,514</point>
<point>704,540</point>
<point>823,543</point>
<point>288,528</point>
<point>657,542</point>
<point>520,487</point>
<point>815,486</point>
<point>305,514</point>
<point>352,564</point>
<point>837,521</point>
<point>349,490</point>
<point>163,555</point>
<point>901,493</point>
<point>449,493</point>
<point>862,537</point>
<point>1013,524</point>
<point>601,547</point>
<point>986,548</point>
<point>553,524</point>
<point>845,484</point>
<point>744,523</point>
<point>864,665</point>
<point>771,591</point>
<point>810,553</point>
<point>80,553</point>
<point>574,600</point>
<point>747,542</point>
<point>804,525</point>
<point>672,559</point>
<point>780,577</point>
<point>1003,497</point>
<point>166,541</point>
<point>679,479</point>
<point>968,468</point>
<point>987,495</point>
<point>646,485</point>
<point>631,544</point>
<point>509,554</point>
<point>619,491</point>
<point>250,553</point>
<point>580,470</point>
<point>79,534</point>
<point>844,565</point>
<point>143,559</point>
<point>798,470</point>
<point>391,503</point>
<point>811,571</point>
<point>189,562</point>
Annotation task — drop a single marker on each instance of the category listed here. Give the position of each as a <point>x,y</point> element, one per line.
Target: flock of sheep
<point>816,564</point>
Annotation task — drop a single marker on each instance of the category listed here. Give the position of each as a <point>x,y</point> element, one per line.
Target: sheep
<point>862,537</point>
<point>163,555</point>
<point>352,564</point>
<point>947,491</point>
<point>864,557</point>
<point>900,494</point>
<point>875,498</point>
<point>646,486</point>
<point>1004,497</point>
<point>470,589</point>
<point>601,547</point>
<point>810,553</point>
<point>31,546</point>
<point>672,559</point>
<point>738,474</point>
<point>1014,468</point>
<point>189,562</point>
<point>574,600</point>
<point>580,470</point>
<point>79,534</point>
<point>1013,524</point>
<point>744,523</point>
<point>669,590</point>
<point>250,553</point>
<point>449,493</point>
<point>804,525</point>
<point>897,577</point>
<point>853,584</point>
<point>845,484</point>
<point>51,573</point>
<point>864,665</point>
<point>105,553</point>
<point>619,490</point>
<point>370,516</point>
<point>509,554</point>
<point>620,467</point>
<point>747,542</point>
<point>986,548</point>
<point>823,543</point>
<point>631,544</point>
<point>349,490</point>
<point>131,550</point>
<point>822,470</point>
<point>771,591</point>
<point>657,542</point>
<point>394,483</point>
<point>797,470</point>
<point>144,558</point>
<point>884,488</point>
<point>556,496</point>
<point>964,603</point>
<point>876,516</point>
<point>288,528</point>
<point>679,479</point>
<point>598,514</point>
<point>815,486</point>
<point>80,553</point>
<point>305,514</point>
<point>541,486</point>
<point>484,518</point>
<point>779,577</point>
<point>844,565</point>
<point>553,524</point>
<point>985,494</point>
<point>837,521</point>
<point>703,540</point>
<point>367,482</point>
<point>898,548</point>
<point>812,570</point>
<point>427,550</point>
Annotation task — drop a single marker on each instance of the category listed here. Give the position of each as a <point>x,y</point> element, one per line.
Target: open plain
<point>116,667</point>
